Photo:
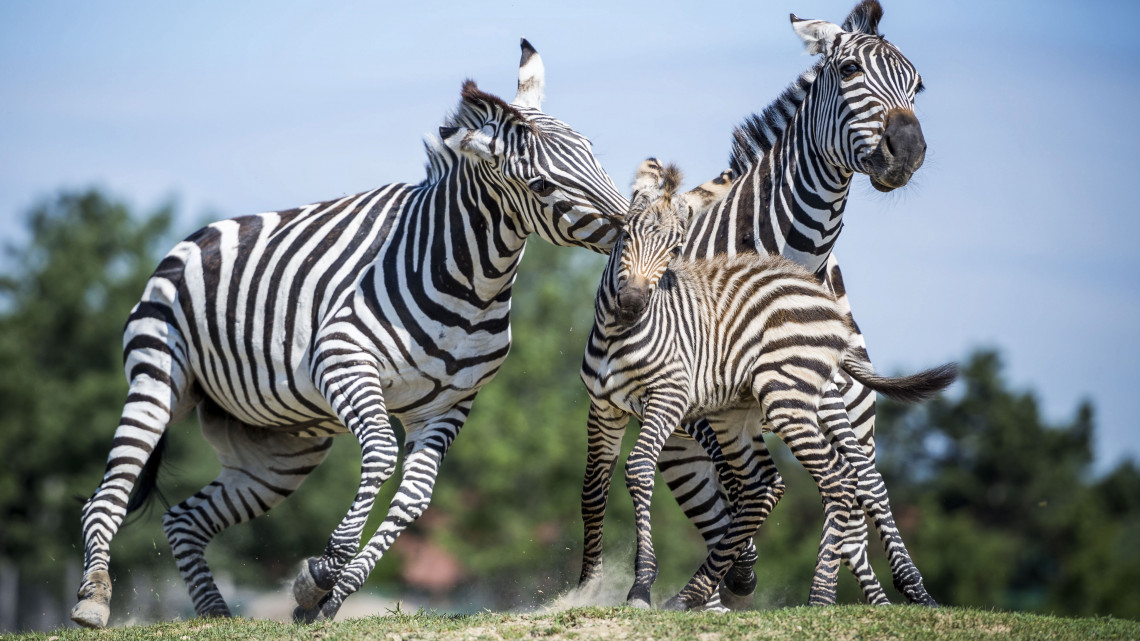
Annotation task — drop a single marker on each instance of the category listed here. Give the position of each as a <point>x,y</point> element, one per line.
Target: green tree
<point>1002,503</point>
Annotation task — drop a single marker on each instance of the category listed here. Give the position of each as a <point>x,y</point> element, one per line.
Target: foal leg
<point>793,418</point>
<point>605,427</point>
<point>661,418</point>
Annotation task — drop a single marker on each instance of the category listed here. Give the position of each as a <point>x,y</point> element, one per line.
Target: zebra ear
<point>532,79</point>
<point>818,35</point>
<point>649,178</point>
<point>703,196</point>
<point>480,106</point>
<point>864,18</point>
<point>476,144</point>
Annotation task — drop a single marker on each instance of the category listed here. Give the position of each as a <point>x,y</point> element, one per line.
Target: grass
<point>841,623</point>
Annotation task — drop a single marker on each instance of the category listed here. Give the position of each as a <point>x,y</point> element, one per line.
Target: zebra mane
<point>473,112</point>
<point>758,134</point>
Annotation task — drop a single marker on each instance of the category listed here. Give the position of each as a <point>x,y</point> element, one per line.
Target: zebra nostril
<point>887,143</point>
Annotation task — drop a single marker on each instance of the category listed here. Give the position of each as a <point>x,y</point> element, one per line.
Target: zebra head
<point>547,172</point>
<point>654,230</point>
<point>867,86</point>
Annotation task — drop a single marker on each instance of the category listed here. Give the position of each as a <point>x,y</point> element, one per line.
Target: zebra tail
<point>909,389</point>
<point>146,486</point>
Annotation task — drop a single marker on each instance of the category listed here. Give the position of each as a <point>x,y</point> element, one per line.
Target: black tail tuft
<point>146,486</point>
<point>909,389</point>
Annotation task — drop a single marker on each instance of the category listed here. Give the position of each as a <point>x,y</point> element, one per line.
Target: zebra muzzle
<point>901,151</point>
<point>631,302</point>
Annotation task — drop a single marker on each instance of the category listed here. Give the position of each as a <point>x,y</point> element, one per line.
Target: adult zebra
<point>852,112</point>
<point>719,338</point>
<point>284,329</point>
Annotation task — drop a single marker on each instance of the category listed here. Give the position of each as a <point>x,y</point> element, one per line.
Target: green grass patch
<point>840,623</point>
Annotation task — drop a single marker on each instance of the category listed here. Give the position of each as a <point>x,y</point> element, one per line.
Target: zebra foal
<point>675,339</point>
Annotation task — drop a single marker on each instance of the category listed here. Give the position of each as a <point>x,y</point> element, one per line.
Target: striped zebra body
<point>284,329</point>
<point>676,339</point>
<point>792,166</point>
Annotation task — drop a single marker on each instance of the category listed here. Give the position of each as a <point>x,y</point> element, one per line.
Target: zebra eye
<point>541,186</point>
<point>850,69</point>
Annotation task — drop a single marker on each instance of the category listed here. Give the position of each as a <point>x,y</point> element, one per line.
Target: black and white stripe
<point>793,165</point>
<point>675,339</point>
<point>287,328</point>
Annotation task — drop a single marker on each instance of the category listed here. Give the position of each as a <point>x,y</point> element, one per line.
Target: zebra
<point>674,339</point>
<point>791,168</point>
<point>285,329</point>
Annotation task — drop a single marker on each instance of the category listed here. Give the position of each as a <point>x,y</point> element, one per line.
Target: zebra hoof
<point>677,604</point>
<point>923,599</point>
<point>90,613</point>
<point>638,597</point>
<point>306,591</point>
<point>637,603</point>
<point>302,615</point>
<point>916,593</point>
<point>94,607</point>
<point>734,601</point>
<point>738,588</point>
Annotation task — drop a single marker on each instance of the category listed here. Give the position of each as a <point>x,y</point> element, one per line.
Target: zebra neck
<point>806,202</point>
<point>461,235</point>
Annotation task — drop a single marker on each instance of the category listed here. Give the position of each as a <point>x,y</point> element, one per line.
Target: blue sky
<point>1018,232</point>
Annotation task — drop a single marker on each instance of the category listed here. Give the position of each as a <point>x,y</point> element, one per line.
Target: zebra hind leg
<point>858,446</point>
<point>697,483</point>
<point>159,394</point>
<point>872,497</point>
<point>759,490</point>
<point>833,418</point>
<point>260,467</point>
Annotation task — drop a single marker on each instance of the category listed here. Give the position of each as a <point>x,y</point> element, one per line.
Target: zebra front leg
<point>426,450</point>
<point>661,417</point>
<point>605,427</point>
<point>260,468</point>
<point>158,395</point>
<point>359,402</point>
<point>833,418</point>
<point>760,489</point>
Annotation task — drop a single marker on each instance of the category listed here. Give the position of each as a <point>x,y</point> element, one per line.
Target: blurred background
<point>125,126</point>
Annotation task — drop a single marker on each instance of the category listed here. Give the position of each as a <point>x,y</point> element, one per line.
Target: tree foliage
<point>1006,506</point>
